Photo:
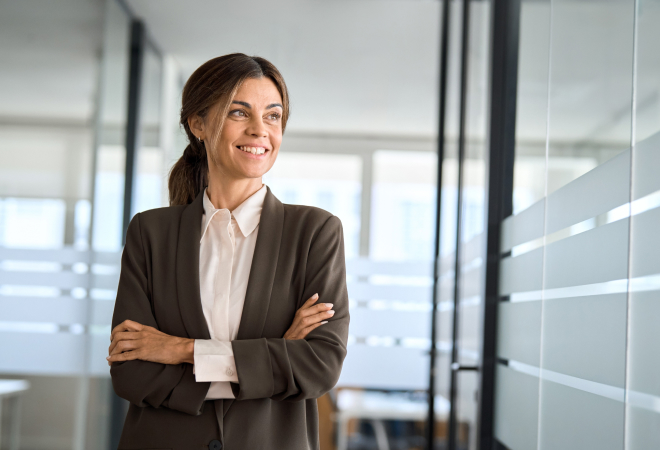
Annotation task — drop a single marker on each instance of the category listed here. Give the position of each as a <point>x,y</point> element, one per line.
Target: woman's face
<point>252,132</point>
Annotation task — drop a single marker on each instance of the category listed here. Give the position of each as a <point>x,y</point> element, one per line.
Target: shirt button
<point>229,372</point>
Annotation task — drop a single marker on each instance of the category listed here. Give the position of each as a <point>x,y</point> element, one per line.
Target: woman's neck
<point>228,193</point>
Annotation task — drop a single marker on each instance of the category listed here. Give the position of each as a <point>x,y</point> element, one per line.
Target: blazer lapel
<point>262,270</point>
<point>187,270</point>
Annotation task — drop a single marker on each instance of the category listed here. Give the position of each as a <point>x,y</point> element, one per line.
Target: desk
<point>377,407</point>
<point>10,395</point>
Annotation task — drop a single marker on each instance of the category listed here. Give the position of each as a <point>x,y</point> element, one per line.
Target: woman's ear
<point>196,125</point>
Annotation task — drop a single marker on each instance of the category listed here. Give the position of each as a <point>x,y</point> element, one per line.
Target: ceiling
<point>367,67</point>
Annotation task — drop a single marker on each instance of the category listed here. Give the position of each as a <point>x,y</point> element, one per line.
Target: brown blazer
<point>299,252</point>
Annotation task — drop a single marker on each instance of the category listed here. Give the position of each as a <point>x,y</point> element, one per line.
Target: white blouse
<point>225,256</point>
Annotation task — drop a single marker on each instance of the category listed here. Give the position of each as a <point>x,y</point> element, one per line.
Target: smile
<point>253,150</point>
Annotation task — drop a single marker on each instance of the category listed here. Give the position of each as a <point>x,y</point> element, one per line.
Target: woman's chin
<point>253,173</point>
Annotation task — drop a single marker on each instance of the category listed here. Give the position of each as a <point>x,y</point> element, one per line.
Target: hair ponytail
<point>213,85</point>
<point>189,175</point>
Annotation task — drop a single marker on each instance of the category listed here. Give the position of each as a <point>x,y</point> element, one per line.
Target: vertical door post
<point>502,139</point>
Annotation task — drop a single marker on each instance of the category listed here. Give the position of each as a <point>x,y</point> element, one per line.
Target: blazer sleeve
<point>296,370</point>
<point>146,383</point>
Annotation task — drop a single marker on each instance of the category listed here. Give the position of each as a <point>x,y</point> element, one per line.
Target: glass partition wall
<point>578,288</point>
<point>53,286</point>
<point>61,201</point>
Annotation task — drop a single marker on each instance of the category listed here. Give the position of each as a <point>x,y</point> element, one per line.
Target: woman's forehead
<point>260,91</point>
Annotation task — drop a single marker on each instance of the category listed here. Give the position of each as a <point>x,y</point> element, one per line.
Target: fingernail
<point>107,357</point>
<point>332,313</point>
<point>329,305</point>
<point>315,296</point>
<point>325,321</point>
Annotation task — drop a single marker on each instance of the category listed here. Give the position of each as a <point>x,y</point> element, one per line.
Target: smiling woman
<point>219,338</point>
<point>218,118</point>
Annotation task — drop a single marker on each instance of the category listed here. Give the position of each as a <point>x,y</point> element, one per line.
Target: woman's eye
<point>237,113</point>
<point>274,116</point>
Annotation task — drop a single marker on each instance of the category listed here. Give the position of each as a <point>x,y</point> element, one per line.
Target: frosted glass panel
<point>517,403</point>
<point>643,412</point>
<point>642,432</point>
<point>585,337</point>
<point>597,192</point>
<point>523,227</point>
<point>385,367</point>
<point>647,161</point>
<point>519,336</point>
<point>646,243</point>
<point>50,352</point>
<point>570,314</point>
<point>396,323</point>
<point>595,256</point>
<point>522,273</point>
<point>644,338</point>
<point>572,419</point>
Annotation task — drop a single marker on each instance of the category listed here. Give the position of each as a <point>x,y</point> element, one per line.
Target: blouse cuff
<point>214,361</point>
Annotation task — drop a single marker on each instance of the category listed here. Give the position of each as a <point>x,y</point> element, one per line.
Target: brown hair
<point>213,86</point>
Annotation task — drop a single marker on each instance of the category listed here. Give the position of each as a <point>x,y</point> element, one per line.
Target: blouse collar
<point>247,214</point>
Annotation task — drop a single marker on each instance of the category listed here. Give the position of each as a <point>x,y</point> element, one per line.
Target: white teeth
<point>253,150</point>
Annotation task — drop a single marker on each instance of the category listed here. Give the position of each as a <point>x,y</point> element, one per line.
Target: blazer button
<point>215,445</point>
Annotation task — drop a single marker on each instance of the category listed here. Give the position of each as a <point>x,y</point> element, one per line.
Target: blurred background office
<point>503,279</point>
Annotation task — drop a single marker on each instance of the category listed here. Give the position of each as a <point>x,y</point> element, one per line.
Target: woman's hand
<point>131,340</point>
<point>309,317</point>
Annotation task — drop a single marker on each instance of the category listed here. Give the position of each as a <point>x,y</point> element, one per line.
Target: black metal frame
<point>455,364</point>
<point>503,89</point>
<point>138,43</point>
<point>442,105</point>
<point>502,136</point>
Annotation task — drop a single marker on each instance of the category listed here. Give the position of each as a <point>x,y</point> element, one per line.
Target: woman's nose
<point>257,128</point>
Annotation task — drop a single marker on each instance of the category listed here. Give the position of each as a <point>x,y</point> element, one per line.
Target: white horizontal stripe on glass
<point>635,398</point>
<point>624,211</point>
<point>603,390</point>
<point>638,284</point>
<point>645,401</point>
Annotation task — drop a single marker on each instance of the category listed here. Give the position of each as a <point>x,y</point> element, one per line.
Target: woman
<point>219,338</point>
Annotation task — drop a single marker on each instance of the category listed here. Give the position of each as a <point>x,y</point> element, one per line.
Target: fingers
<point>316,318</point>
<point>126,325</point>
<point>302,333</point>
<point>124,336</point>
<point>321,307</point>
<point>310,301</point>
<point>124,346</point>
<point>130,325</point>
<point>126,356</point>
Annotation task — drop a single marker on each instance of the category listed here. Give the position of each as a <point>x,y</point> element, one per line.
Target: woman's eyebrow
<point>247,105</point>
